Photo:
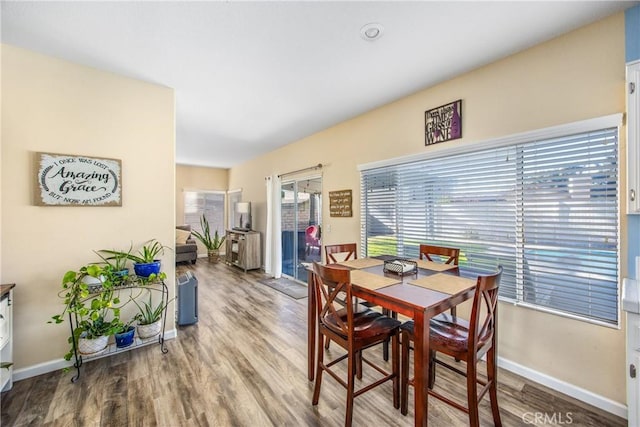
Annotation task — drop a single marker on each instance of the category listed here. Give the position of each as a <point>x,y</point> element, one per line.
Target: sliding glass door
<point>301,210</point>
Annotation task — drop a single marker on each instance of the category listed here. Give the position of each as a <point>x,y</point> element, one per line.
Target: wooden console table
<point>243,249</point>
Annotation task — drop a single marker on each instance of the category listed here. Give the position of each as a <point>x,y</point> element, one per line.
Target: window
<point>545,209</point>
<point>209,203</point>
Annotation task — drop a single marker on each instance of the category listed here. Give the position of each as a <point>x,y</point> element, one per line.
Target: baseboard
<point>54,365</point>
<point>571,390</point>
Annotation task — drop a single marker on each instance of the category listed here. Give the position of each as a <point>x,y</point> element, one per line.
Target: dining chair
<point>468,341</point>
<point>353,328</point>
<point>441,253</point>
<point>349,250</point>
<point>449,255</point>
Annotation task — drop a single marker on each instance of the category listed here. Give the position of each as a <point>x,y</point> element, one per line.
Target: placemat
<point>362,263</point>
<point>433,266</point>
<point>370,280</point>
<point>444,283</point>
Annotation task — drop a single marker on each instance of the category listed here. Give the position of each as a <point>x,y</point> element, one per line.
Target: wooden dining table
<point>432,289</point>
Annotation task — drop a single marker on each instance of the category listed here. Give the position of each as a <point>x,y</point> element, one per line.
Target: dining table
<point>429,289</point>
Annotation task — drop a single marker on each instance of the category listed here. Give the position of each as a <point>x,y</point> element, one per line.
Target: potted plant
<point>93,335</point>
<point>91,311</point>
<point>145,262</point>
<point>149,317</point>
<point>125,334</point>
<point>117,262</point>
<point>211,243</point>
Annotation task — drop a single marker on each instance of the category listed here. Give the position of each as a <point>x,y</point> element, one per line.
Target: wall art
<point>70,180</point>
<point>340,203</point>
<point>443,123</point>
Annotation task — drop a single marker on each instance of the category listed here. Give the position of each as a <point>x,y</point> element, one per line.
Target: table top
<point>431,285</point>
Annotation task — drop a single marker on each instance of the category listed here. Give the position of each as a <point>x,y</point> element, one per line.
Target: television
<point>244,209</point>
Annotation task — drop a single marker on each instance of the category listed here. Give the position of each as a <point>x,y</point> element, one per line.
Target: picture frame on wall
<point>443,123</point>
<point>72,180</point>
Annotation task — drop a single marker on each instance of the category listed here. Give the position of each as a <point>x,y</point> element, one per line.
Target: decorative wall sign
<point>443,123</point>
<point>67,180</point>
<point>340,203</point>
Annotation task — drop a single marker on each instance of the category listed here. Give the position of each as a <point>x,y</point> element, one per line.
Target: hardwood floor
<point>244,364</point>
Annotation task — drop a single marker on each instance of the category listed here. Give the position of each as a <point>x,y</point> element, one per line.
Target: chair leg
<point>453,313</point>
<point>404,375</point>
<point>316,389</point>
<point>326,344</point>
<point>432,369</point>
<point>351,367</point>
<point>395,366</point>
<point>385,345</point>
<point>472,393</point>
<point>492,376</point>
<point>359,365</point>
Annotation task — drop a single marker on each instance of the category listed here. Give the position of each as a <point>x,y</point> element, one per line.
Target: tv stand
<point>243,249</point>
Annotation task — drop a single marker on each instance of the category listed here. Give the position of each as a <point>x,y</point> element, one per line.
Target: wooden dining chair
<point>441,254</point>
<point>354,329</point>
<point>348,249</point>
<point>348,252</point>
<point>448,255</point>
<point>464,340</point>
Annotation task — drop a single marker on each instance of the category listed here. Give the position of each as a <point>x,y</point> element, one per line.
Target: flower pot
<point>90,346</point>
<point>214,255</point>
<point>147,269</point>
<point>94,284</point>
<point>150,330</point>
<point>125,339</point>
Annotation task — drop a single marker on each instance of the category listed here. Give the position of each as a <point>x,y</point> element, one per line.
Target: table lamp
<point>244,208</point>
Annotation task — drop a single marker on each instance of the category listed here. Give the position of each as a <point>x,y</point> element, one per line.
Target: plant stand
<point>111,349</point>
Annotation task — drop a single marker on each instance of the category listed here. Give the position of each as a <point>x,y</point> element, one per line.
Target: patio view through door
<point>301,211</point>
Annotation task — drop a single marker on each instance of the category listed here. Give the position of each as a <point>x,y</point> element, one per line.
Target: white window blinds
<point>546,210</point>
<point>209,203</point>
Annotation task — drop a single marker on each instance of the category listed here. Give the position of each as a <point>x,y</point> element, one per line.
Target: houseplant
<point>117,262</point>
<point>145,262</point>
<point>125,334</point>
<point>211,243</point>
<point>91,311</point>
<point>149,317</point>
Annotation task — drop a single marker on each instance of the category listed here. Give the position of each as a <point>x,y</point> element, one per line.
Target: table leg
<point>421,368</point>
<point>311,327</point>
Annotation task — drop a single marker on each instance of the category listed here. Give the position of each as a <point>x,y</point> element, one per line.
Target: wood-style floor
<point>244,364</point>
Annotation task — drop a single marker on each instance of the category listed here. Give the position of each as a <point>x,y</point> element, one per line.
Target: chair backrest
<point>349,249</point>
<point>486,297</point>
<point>452,254</point>
<point>329,282</point>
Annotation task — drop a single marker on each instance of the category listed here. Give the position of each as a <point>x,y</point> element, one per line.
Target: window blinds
<point>546,210</point>
<point>209,203</point>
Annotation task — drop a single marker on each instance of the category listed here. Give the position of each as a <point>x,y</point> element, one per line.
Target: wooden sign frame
<point>71,180</point>
<point>443,123</point>
<point>340,203</point>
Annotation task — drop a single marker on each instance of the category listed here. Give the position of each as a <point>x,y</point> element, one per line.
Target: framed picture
<point>340,203</point>
<point>69,180</point>
<point>443,123</point>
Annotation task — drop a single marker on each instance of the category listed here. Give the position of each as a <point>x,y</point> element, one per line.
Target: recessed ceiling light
<point>371,32</point>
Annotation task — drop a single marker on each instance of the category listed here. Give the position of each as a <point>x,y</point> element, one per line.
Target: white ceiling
<point>253,76</point>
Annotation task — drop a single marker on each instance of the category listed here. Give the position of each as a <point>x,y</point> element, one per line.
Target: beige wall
<point>198,178</point>
<point>54,106</point>
<point>574,77</point>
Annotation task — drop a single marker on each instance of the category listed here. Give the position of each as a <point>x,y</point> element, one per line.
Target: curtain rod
<point>318,166</point>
